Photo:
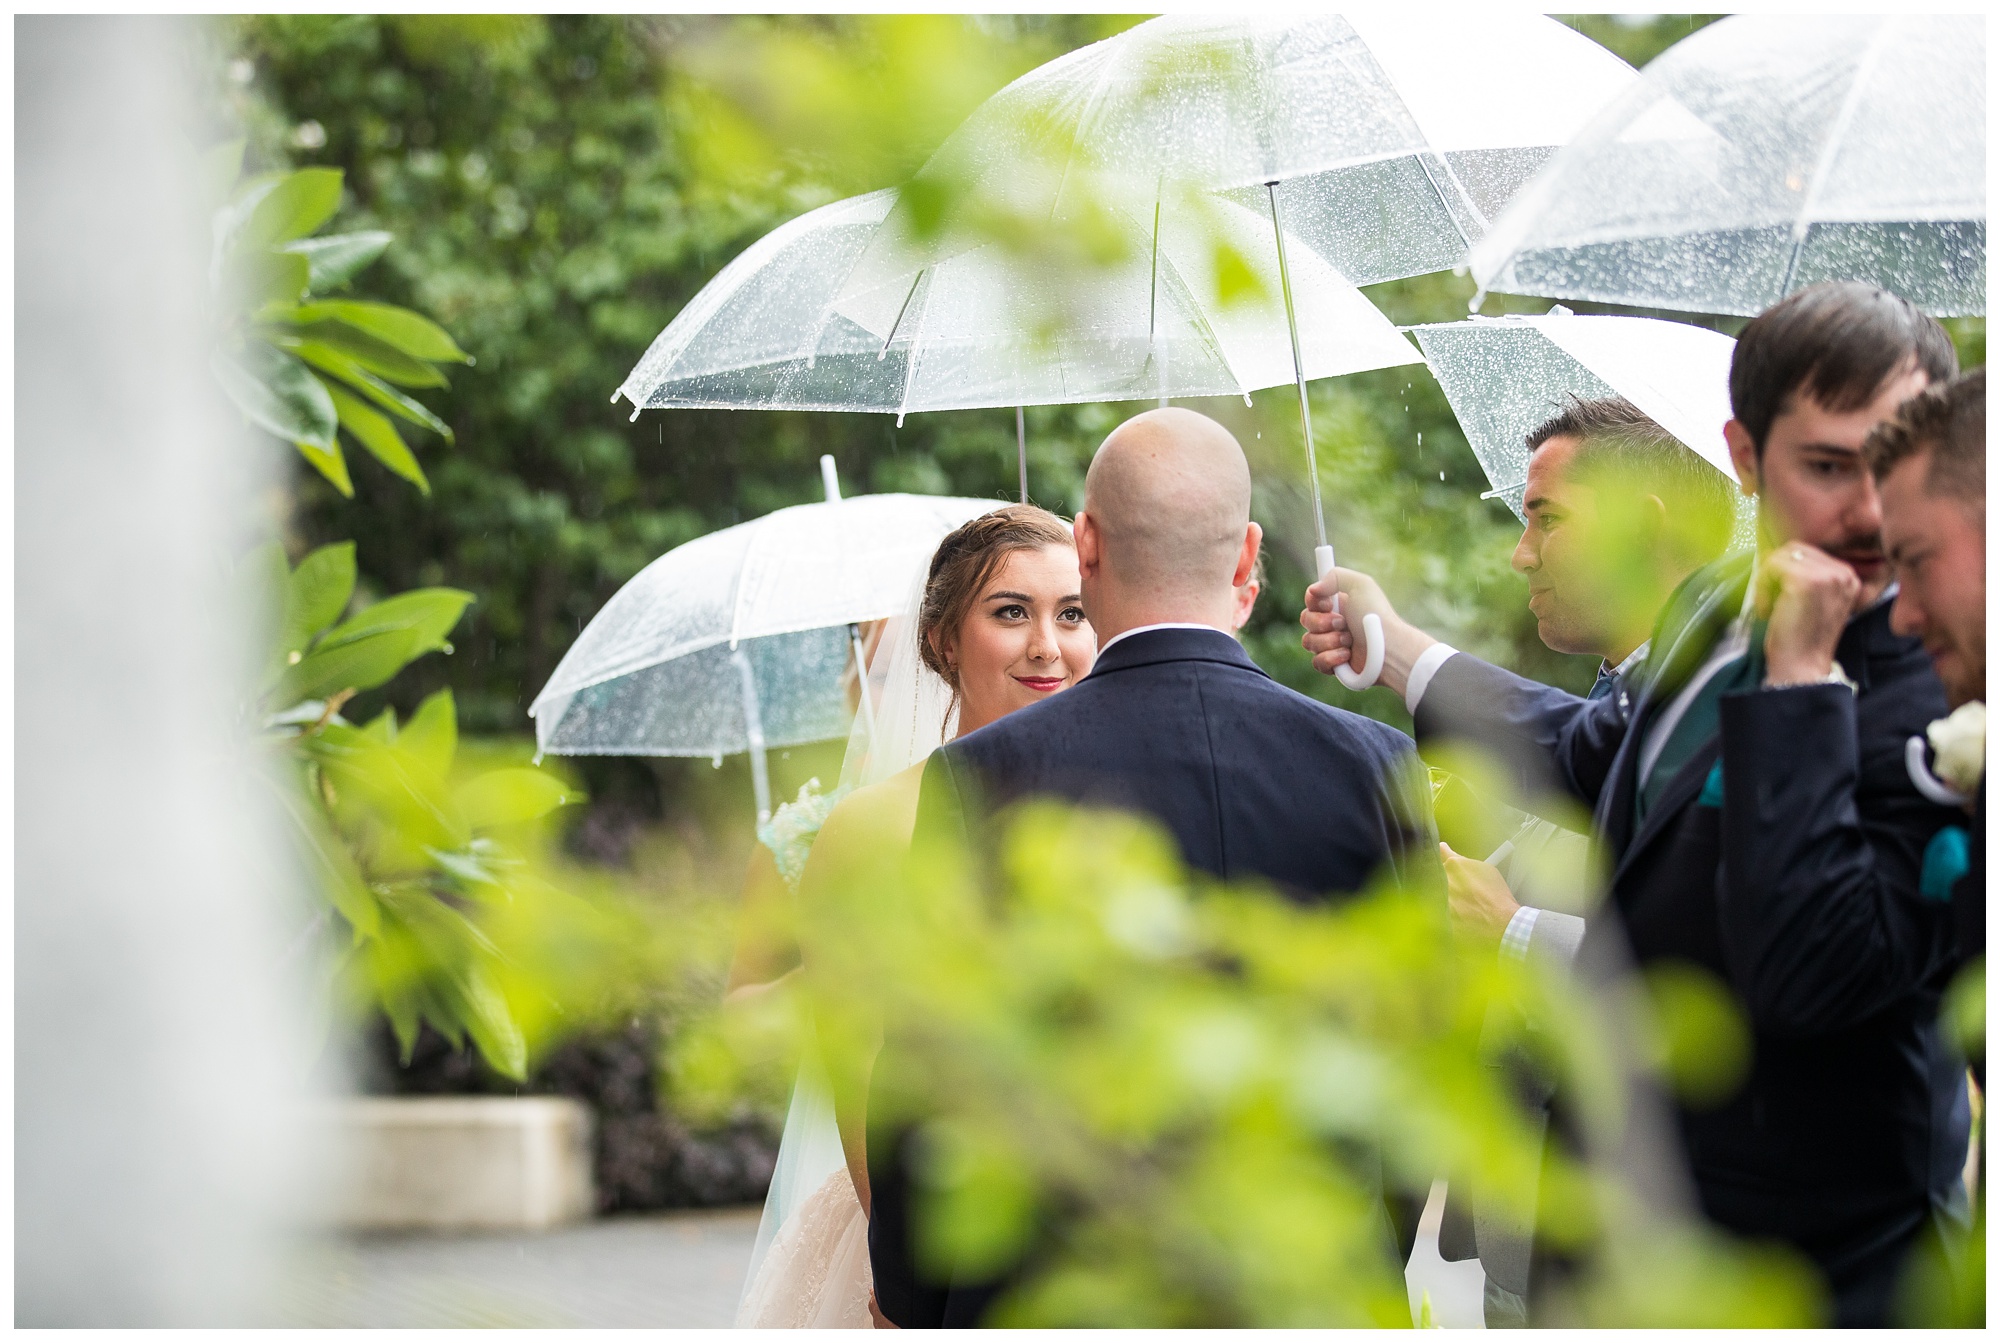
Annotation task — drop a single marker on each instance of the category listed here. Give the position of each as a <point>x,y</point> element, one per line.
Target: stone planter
<point>439,1163</point>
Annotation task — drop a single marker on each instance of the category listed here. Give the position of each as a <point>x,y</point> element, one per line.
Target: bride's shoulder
<point>868,818</point>
<point>890,805</point>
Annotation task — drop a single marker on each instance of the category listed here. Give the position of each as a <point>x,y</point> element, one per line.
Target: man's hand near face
<point>1808,597</point>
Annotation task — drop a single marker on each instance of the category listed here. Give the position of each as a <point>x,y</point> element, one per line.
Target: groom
<point>1174,722</point>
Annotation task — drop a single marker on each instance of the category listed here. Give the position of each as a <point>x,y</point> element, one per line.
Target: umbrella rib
<point>896,325</point>
<point>1802,222</point>
<point>1202,325</point>
<point>1097,92</point>
<point>916,351</point>
<point>1423,157</point>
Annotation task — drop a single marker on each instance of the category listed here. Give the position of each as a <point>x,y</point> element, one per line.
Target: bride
<point>997,624</point>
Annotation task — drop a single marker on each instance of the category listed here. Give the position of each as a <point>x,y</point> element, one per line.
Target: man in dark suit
<point>1175,722</point>
<point>1929,462</point>
<point>1617,513</point>
<point>1750,795</point>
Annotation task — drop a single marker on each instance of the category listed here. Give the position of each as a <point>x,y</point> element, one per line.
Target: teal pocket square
<point>1946,859</point>
<point>1711,788</point>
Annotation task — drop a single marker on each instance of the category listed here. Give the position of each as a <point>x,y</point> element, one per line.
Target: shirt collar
<point>1106,646</point>
<point>1632,659</point>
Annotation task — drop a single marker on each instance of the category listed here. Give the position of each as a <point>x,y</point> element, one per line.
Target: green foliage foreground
<point>1190,1096</point>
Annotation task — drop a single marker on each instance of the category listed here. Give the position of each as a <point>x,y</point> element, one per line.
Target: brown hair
<point>1615,436</point>
<point>1949,420</point>
<point>1839,343</point>
<point>965,560</point>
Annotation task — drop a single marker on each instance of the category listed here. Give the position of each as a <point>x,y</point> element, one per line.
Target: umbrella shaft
<point>1298,367</point>
<point>861,681</point>
<point>1021,447</point>
<point>753,725</point>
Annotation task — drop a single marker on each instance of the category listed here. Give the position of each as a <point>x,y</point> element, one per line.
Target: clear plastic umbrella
<point>1384,147</point>
<point>1506,375</point>
<point>786,326</point>
<point>737,641</point>
<point>1763,154</point>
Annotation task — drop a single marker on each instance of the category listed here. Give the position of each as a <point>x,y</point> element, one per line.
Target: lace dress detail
<point>816,1275</point>
<point>790,832</point>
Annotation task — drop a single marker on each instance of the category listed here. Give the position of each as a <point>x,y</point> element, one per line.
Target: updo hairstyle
<point>965,560</point>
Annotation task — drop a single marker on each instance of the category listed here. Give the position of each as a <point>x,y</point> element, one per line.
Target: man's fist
<point>1330,625</point>
<point>1807,596</point>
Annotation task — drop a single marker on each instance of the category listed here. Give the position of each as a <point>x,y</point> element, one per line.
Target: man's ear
<point>1246,559</point>
<point>1088,544</point>
<point>1743,454</point>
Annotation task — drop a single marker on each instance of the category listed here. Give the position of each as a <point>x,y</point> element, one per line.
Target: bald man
<point>1175,722</point>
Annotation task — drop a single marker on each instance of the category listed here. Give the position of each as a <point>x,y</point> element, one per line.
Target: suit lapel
<point>1680,791</point>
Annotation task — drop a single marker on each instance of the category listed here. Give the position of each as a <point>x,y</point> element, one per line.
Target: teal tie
<point>1701,721</point>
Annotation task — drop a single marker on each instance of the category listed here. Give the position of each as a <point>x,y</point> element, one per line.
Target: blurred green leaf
<point>1964,1011</point>
<point>330,463</point>
<point>339,875</point>
<point>1704,1042</point>
<point>509,796</point>
<point>427,614</point>
<point>314,342</point>
<point>278,393</point>
<point>273,278</point>
<point>356,664</point>
<point>431,735</point>
<point>294,206</point>
<point>379,436</point>
<point>315,594</point>
<point>337,258</point>
<point>381,393</point>
<point>411,333</point>
<point>491,1025</point>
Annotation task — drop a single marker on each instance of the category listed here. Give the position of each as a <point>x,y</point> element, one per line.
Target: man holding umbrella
<point>1750,794</point>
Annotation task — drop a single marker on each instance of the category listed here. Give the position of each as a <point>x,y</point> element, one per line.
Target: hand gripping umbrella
<point>1381,147</point>
<point>1763,154</point>
<point>737,641</point>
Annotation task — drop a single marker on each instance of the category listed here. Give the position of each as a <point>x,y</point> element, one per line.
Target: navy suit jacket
<point>1253,780</point>
<point>1783,857</point>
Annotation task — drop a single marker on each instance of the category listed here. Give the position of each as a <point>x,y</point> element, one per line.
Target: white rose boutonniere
<point>1960,744</point>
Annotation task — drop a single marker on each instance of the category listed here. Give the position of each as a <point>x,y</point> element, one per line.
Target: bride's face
<point>1025,637</point>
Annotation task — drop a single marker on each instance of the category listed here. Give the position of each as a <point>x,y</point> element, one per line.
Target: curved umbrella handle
<point>1371,635</point>
<point>1932,787</point>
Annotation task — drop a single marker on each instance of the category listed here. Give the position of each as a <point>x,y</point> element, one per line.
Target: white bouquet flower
<point>1960,744</point>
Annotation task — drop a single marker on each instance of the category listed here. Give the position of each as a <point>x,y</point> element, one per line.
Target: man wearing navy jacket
<point>1929,462</point>
<point>1753,806</point>
<point>1175,722</point>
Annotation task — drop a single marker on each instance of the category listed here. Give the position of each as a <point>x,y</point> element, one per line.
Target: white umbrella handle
<point>1926,782</point>
<point>1371,634</point>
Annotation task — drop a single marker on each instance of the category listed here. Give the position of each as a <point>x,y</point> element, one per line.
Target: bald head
<point>1170,492</point>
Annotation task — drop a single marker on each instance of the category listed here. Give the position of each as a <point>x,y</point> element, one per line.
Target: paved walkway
<point>669,1270</point>
<point>675,1270</point>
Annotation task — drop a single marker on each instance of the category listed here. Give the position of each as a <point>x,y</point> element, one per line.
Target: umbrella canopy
<point>1354,122</point>
<point>1391,146</point>
<point>741,635</point>
<point>1763,154</point>
<point>784,327</point>
<point>1504,376</point>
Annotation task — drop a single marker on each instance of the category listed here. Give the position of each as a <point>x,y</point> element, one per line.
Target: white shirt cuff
<point>1514,942</point>
<point>1421,672</point>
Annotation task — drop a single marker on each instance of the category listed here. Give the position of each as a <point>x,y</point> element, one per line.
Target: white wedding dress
<point>809,1266</point>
